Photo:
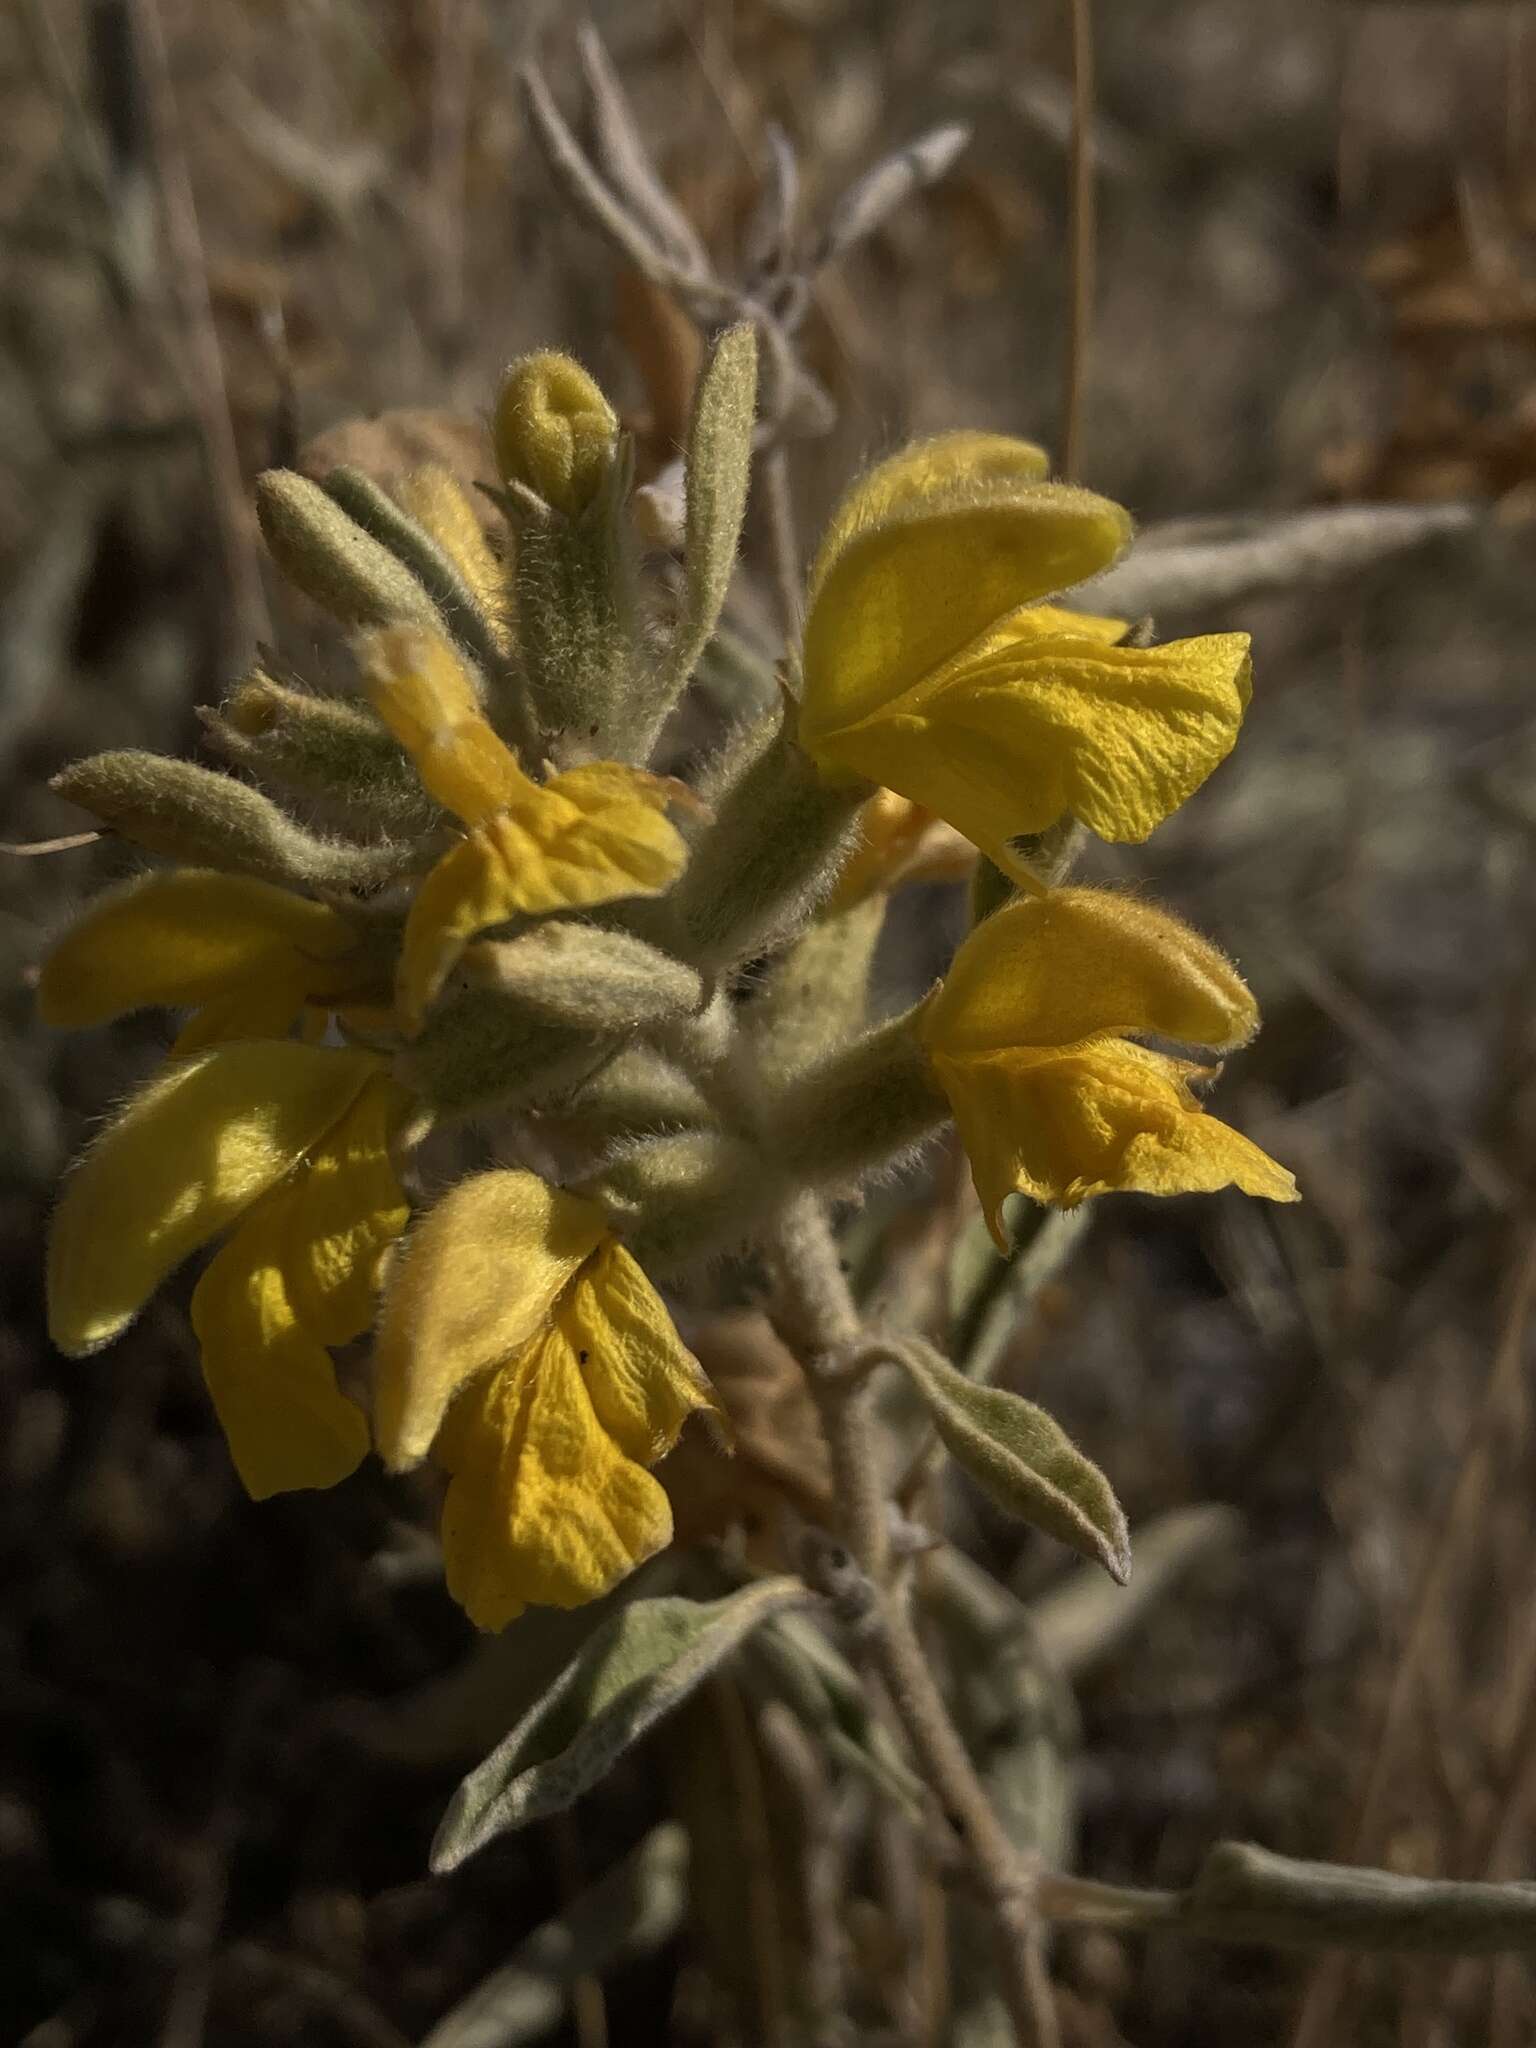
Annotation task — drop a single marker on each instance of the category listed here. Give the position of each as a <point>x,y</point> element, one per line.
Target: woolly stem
<point>814,1312</point>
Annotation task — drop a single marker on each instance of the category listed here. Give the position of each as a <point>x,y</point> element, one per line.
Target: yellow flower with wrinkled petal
<point>247,958</point>
<point>1028,1037</point>
<point>286,1146</point>
<point>932,666</point>
<point>588,836</point>
<point>526,1349</point>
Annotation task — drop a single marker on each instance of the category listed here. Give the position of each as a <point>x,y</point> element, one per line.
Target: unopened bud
<point>330,558</point>
<point>331,748</point>
<point>204,819</point>
<point>480,1050</point>
<point>684,1197</point>
<point>555,433</point>
<point>780,835</point>
<point>587,976</point>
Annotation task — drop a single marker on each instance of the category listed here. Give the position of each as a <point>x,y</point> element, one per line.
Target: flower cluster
<point>509,908</point>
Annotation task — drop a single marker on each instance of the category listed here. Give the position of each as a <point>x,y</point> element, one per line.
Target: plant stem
<point>814,1312</point>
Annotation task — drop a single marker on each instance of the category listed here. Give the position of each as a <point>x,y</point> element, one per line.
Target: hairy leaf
<point>1023,1459</point>
<point>719,466</point>
<point>634,1671</point>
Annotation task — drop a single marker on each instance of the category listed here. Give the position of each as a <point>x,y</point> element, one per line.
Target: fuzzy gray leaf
<point>718,471</point>
<point>1023,1459</point>
<point>635,1670</point>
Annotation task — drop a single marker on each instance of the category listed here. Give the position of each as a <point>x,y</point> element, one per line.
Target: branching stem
<point>814,1312</point>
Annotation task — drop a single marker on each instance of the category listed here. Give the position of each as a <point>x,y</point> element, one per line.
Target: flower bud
<point>555,433</point>
<point>330,748</point>
<point>208,820</point>
<point>586,976</point>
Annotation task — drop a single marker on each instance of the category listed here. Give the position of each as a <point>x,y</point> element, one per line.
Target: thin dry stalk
<point>750,1805</point>
<point>589,2010</point>
<point>248,620</point>
<point>1080,238</point>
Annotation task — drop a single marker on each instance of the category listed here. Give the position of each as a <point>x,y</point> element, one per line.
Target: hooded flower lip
<point>1080,962</point>
<point>285,1145</point>
<point>1028,1037</point>
<point>589,836</point>
<point>931,666</point>
<point>527,1350</point>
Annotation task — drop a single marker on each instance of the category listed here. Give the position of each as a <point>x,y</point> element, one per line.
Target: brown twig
<point>29,849</point>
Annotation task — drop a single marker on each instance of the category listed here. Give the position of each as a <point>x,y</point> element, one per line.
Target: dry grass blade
<point>1186,563</point>
<point>625,162</point>
<point>1315,2026</point>
<point>768,238</point>
<point>590,198</point>
<point>872,199</point>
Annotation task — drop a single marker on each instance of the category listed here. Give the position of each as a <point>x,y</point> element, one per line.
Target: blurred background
<point>231,228</point>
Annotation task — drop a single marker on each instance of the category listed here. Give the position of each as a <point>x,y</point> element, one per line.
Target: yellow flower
<point>526,1349</point>
<point>1028,1038</point>
<point>595,833</point>
<point>287,1146</point>
<point>250,960</point>
<point>931,666</point>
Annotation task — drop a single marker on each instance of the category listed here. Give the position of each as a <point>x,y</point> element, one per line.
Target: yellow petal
<point>346,1205</point>
<point>181,938</point>
<point>554,431</point>
<point>1020,731</point>
<point>427,697</point>
<point>268,1008</point>
<point>1063,1125</point>
<point>543,1507</point>
<point>435,500</point>
<point>643,1380</point>
<point>273,1385</point>
<point>469,890</point>
<point>474,1282</point>
<point>1056,622</point>
<point>185,1158</point>
<point>1054,969</point>
<point>902,598</point>
<point>921,472</point>
<point>587,837</point>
